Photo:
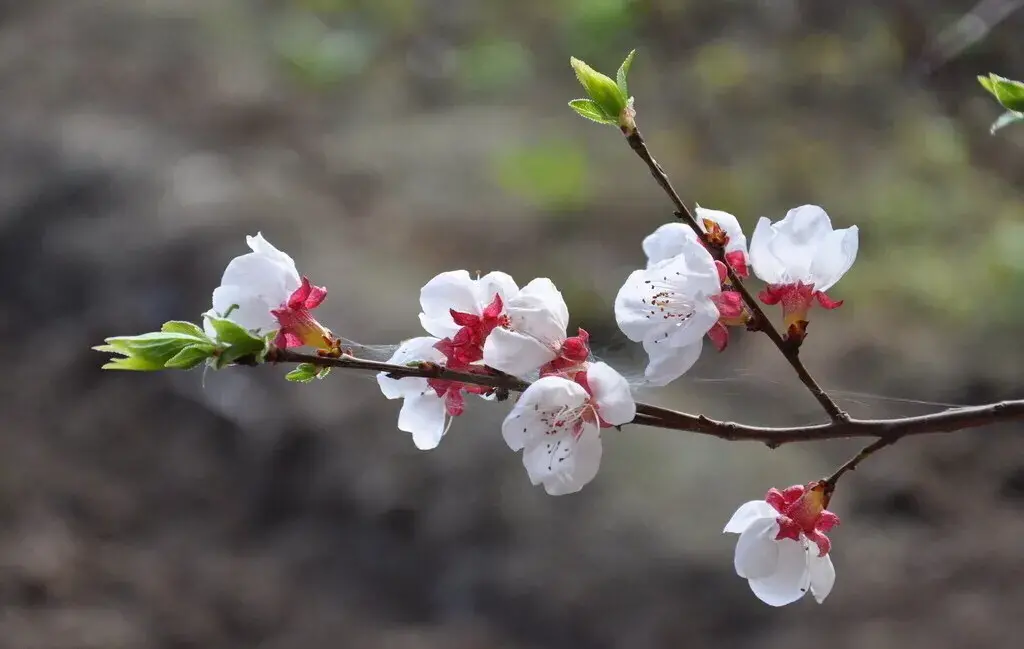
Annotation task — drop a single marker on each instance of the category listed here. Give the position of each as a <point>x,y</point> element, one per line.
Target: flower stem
<point>789,351</point>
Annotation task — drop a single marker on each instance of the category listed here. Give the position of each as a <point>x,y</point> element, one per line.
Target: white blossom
<point>803,248</point>
<point>557,424</point>
<point>782,549</point>
<point>669,307</point>
<point>255,283</point>
<point>262,291</point>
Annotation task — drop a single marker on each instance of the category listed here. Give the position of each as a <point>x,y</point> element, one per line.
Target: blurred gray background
<point>383,141</point>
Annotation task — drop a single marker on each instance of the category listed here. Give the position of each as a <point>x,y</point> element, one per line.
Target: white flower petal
<point>757,551</point>
<point>514,353</point>
<point>823,576</point>
<point>452,290</point>
<point>668,241</point>
<point>262,277</point>
<point>253,313</point>
<point>835,256</point>
<point>667,362</point>
<point>802,247</point>
<point>611,393</point>
<point>539,310</point>
<point>495,283</point>
<point>663,297</point>
<point>414,349</point>
<point>763,261</point>
<point>424,416</point>
<point>791,579</point>
<point>534,414</point>
<point>804,225</point>
<point>563,463</point>
<point>263,247</point>
<point>633,313</point>
<point>726,221</point>
<point>748,513</point>
<point>798,237</point>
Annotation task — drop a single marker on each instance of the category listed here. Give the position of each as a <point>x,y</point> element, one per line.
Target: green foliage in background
<point>743,118</point>
<point>549,175</point>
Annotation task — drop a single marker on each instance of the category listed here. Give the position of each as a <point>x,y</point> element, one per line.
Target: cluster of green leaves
<point>183,345</point>
<point>608,100</point>
<point>1009,94</point>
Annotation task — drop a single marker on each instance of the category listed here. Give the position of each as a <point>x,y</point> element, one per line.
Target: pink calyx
<point>589,413</point>
<point>298,327</point>
<point>796,299</point>
<point>731,313</point>
<point>467,345</point>
<point>453,391</point>
<point>572,354</point>
<point>802,512</point>
<point>717,237</point>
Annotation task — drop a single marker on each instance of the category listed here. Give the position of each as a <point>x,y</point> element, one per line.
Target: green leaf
<point>620,76</point>
<point>134,363</point>
<point>152,349</point>
<point>587,108</point>
<point>1007,118</point>
<point>183,327</point>
<point>600,88</point>
<point>1008,92</point>
<point>241,341</point>
<point>324,371</point>
<point>303,373</point>
<point>190,357</point>
<point>986,83</point>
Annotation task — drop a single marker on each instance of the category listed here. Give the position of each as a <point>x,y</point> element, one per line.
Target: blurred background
<point>383,141</point>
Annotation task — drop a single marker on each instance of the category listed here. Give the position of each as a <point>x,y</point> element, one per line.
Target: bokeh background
<point>383,141</point>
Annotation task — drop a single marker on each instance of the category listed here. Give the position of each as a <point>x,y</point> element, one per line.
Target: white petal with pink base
<point>457,291</point>
<point>557,424</point>
<point>800,258</point>
<point>262,291</point>
<point>782,549</point>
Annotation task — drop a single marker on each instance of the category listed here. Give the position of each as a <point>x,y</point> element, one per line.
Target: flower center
<point>467,345</point>
<point>666,303</point>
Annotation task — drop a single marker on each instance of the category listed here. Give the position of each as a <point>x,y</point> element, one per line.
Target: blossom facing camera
<point>669,306</point>
<point>557,425</point>
<point>783,550</point>
<point>800,258</point>
<point>261,291</point>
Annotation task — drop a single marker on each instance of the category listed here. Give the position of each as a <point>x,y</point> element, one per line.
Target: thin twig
<point>886,430</point>
<point>789,351</point>
<point>851,464</point>
<point>421,370</point>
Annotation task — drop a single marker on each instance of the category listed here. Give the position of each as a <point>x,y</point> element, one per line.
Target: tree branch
<point>789,351</point>
<point>888,431</point>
